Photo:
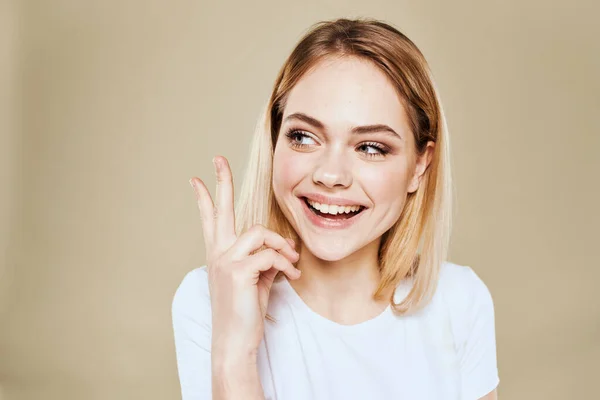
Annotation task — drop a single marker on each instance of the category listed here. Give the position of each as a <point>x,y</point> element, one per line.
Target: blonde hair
<point>417,244</point>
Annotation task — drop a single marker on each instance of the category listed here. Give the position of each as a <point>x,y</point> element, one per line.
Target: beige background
<point>109,107</point>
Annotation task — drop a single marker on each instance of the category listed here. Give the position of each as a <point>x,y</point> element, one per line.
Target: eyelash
<point>383,150</point>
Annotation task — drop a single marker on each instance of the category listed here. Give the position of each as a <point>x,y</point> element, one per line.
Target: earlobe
<point>422,164</point>
<point>414,185</point>
<point>415,182</point>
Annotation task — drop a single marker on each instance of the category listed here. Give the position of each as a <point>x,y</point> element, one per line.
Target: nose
<point>332,171</point>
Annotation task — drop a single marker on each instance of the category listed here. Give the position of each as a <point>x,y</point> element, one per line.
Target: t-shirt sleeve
<point>477,349</point>
<point>192,328</point>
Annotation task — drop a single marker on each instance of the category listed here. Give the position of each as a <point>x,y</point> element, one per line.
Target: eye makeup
<point>293,135</point>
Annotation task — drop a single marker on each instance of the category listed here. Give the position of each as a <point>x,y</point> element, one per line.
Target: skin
<point>493,395</point>
<point>339,267</point>
<point>335,263</point>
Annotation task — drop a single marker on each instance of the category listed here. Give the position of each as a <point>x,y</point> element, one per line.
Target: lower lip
<point>328,223</point>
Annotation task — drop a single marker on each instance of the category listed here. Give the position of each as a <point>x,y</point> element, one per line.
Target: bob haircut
<point>417,244</point>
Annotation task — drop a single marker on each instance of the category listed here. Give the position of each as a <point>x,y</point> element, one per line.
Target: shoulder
<point>466,296</point>
<point>460,284</point>
<point>192,295</point>
<point>469,303</point>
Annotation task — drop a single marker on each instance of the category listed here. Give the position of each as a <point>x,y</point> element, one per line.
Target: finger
<point>291,242</point>
<point>269,258</point>
<point>206,207</point>
<point>225,218</point>
<point>269,276</point>
<point>256,237</point>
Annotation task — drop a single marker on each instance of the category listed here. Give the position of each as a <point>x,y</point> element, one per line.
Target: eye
<point>296,138</point>
<point>380,150</point>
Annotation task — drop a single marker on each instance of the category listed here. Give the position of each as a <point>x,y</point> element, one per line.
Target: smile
<point>336,217</point>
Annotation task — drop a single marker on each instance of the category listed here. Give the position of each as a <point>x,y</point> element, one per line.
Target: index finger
<point>225,217</point>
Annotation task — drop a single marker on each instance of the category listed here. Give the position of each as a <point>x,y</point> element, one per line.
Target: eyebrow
<point>357,130</point>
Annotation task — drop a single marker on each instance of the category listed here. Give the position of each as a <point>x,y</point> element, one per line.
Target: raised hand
<point>239,279</point>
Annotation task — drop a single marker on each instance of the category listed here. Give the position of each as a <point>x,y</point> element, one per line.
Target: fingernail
<point>192,183</point>
<point>216,162</point>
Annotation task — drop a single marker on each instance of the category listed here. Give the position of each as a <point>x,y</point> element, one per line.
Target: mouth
<point>333,217</point>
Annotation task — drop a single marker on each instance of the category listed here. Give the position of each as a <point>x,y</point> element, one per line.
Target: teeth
<point>333,209</point>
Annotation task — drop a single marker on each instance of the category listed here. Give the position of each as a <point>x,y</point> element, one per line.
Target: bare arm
<point>238,281</point>
<point>239,379</point>
<point>493,395</point>
<point>208,369</point>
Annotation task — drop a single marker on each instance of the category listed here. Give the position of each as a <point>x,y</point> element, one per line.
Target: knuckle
<point>257,228</point>
<point>270,255</point>
<point>223,176</point>
<point>271,252</point>
<point>277,258</point>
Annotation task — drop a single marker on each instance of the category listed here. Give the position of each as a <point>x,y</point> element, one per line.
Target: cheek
<point>385,185</point>
<point>287,171</point>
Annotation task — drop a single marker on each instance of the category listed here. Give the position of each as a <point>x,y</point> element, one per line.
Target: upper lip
<point>322,199</point>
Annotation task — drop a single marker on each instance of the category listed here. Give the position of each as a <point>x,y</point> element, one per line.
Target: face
<point>322,155</point>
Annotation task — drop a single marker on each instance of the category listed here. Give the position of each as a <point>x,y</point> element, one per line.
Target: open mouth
<point>338,216</point>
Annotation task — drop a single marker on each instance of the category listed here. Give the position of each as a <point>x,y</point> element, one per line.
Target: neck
<point>344,283</point>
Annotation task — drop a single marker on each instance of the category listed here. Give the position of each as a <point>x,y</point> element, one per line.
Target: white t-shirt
<point>445,351</point>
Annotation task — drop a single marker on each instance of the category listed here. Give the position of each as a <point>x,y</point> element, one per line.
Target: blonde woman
<point>329,280</point>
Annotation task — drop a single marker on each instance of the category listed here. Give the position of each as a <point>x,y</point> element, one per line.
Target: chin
<point>330,249</point>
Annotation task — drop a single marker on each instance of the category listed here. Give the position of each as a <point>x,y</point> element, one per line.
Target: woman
<point>339,241</point>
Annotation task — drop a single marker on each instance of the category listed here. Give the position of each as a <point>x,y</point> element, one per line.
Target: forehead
<point>347,91</point>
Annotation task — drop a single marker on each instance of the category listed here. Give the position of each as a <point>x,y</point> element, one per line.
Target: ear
<point>423,161</point>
